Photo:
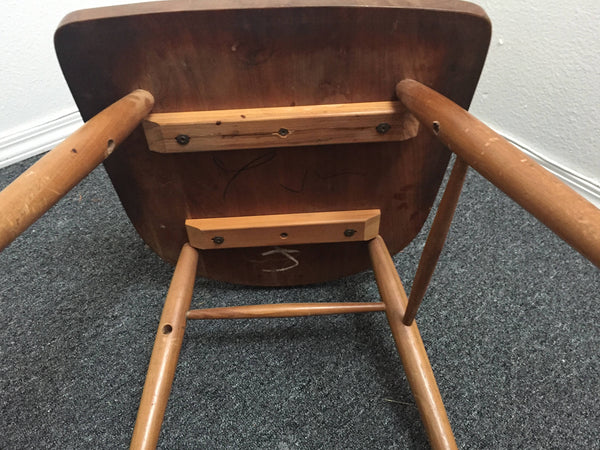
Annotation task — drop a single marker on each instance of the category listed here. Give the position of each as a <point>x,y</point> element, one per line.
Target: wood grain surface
<point>209,56</point>
<point>292,126</point>
<point>283,229</point>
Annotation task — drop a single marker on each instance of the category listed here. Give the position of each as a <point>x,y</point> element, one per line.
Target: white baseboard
<point>24,144</point>
<point>579,183</point>
<point>15,147</point>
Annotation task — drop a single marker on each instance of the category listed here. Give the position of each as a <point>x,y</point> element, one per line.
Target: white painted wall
<point>36,108</point>
<point>539,87</point>
<point>541,82</point>
<point>33,90</point>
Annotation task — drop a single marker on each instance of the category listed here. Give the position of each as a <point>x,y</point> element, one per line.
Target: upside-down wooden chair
<point>269,144</point>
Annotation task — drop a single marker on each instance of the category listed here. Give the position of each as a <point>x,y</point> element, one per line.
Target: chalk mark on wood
<point>285,252</point>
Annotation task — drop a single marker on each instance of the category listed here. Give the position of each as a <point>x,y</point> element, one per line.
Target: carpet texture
<point>510,323</point>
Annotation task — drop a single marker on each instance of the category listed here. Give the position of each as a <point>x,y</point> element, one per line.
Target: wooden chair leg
<point>411,349</point>
<point>165,353</point>
<point>573,218</point>
<point>56,173</point>
<point>436,239</point>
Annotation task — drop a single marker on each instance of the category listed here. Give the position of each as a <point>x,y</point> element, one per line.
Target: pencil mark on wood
<point>252,164</point>
<point>256,56</point>
<point>302,185</point>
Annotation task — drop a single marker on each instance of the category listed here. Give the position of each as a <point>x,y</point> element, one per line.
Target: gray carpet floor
<point>511,324</point>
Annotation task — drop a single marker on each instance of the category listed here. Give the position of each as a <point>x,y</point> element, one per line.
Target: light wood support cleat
<point>283,229</point>
<point>279,127</point>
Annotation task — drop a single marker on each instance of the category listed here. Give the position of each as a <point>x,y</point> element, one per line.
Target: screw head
<point>383,128</point>
<point>349,232</point>
<point>183,139</point>
<point>283,132</point>
<point>218,240</point>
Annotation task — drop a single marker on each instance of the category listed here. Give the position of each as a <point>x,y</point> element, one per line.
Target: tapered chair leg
<point>411,349</point>
<point>436,239</point>
<point>165,353</point>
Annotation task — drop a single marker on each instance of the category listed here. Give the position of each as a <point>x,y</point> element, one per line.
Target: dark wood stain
<point>215,58</point>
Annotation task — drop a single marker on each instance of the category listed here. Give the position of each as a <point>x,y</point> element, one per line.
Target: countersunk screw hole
<point>349,232</point>
<point>283,132</point>
<point>183,139</point>
<point>436,127</point>
<point>383,128</point>
<point>283,235</point>
<point>167,329</point>
<point>218,240</point>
